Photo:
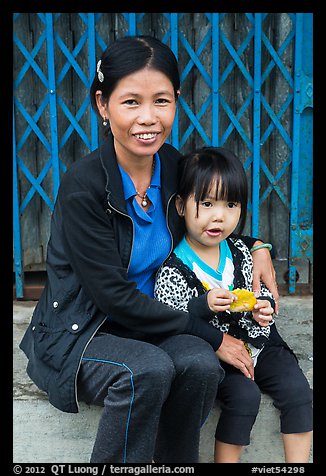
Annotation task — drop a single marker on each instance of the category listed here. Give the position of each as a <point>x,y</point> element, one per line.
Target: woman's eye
<point>130,102</point>
<point>162,101</point>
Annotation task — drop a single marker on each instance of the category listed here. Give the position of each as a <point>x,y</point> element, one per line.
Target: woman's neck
<point>140,171</point>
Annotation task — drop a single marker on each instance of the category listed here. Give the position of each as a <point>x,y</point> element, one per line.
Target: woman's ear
<point>101,106</point>
<point>179,205</point>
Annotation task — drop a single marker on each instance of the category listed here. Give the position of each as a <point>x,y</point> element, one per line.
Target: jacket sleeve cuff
<point>206,331</point>
<point>198,307</point>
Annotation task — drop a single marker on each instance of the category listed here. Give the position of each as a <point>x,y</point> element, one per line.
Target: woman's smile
<point>147,138</point>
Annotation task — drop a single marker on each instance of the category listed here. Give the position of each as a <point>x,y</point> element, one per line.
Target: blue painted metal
<point>300,94</point>
<point>18,263</point>
<point>276,118</point>
<point>132,24</point>
<point>215,79</point>
<point>302,155</point>
<point>256,126</point>
<point>174,48</point>
<point>194,61</point>
<point>53,104</point>
<point>92,70</point>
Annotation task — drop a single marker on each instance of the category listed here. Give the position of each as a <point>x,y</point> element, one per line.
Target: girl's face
<point>215,221</point>
<point>141,110</point>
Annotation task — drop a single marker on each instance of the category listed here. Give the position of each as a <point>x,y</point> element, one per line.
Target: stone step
<point>43,434</point>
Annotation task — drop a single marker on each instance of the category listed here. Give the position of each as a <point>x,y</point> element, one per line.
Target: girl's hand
<point>263,312</point>
<point>263,270</point>
<point>219,299</point>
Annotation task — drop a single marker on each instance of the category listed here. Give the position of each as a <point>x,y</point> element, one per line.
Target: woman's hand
<point>263,270</point>
<point>263,312</point>
<point>233,352</point>
<point>219,299</point>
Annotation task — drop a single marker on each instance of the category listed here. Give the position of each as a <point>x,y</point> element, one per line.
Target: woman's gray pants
<point>155,397</point>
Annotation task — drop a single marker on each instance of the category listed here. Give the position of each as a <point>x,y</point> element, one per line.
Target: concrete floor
<point>44,434</point>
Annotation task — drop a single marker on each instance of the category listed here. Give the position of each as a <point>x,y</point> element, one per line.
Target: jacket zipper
<point>167,223</point>
<point>133,231</point>
<point>132,245</point>
<point>118,211</point>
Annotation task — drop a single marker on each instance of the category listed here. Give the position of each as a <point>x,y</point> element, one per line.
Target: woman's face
<point>141,110</point>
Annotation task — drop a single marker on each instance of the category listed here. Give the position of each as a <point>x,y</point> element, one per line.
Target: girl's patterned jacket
<point>176,284</point>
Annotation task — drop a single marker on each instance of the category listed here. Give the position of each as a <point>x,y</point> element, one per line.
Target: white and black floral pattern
<point>176,284</point>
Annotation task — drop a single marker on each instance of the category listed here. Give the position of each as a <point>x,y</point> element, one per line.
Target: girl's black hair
<point>128,55</point>
<point>200,171</point>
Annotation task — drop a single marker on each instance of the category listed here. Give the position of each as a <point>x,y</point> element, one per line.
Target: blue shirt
<point>152,240</point>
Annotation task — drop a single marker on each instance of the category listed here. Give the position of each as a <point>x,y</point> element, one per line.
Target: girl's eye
<point>232,204</point>
<point>206,204</point>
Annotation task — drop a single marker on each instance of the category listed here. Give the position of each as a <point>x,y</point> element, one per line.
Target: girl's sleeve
<point>266,294</point>
<point>171,288</point>
<point>249,240</point>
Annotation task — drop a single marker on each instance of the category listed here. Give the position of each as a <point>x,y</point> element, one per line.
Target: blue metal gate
<point>246,83</point>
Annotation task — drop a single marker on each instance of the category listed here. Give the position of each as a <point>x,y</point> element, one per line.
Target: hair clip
<point>100,75</point>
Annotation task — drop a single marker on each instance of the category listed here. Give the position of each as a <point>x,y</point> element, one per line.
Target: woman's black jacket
<point>88,256</point>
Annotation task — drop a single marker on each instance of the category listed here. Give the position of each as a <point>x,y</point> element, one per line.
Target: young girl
<point>210,261</point>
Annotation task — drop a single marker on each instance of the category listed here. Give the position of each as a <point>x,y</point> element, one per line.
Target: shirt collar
<point>128,185</point>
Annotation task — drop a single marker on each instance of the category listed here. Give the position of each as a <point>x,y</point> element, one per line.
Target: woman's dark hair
<point>128,55</point>
<point>200,172</point>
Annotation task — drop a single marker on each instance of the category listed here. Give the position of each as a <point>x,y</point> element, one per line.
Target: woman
<point>97,334</point>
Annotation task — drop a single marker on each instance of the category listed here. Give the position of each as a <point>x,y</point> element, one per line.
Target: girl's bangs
<point>219,185</point>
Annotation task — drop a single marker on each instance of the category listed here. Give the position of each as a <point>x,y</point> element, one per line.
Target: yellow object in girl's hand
<point>245,302</point>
